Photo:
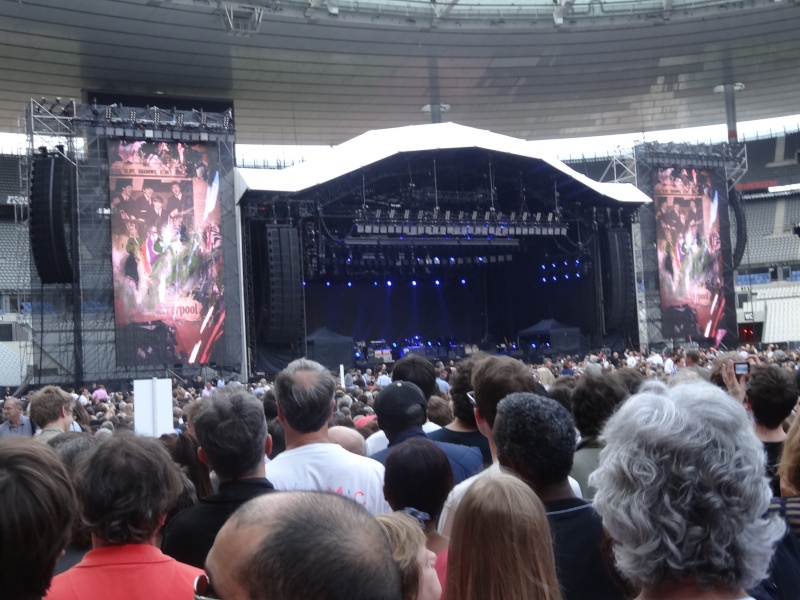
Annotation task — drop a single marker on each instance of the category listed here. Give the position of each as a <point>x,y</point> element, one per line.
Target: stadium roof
<point>326,71</point>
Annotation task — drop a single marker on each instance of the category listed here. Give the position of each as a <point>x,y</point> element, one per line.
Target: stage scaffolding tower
<point>72,325</point>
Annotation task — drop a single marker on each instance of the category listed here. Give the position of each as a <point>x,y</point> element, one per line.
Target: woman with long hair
<point>500,546</point>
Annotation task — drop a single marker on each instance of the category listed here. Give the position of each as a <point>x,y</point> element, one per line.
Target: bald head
<point>298,545</point>
<point>348,438</point>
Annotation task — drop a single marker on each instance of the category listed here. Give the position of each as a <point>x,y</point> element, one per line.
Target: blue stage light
<point>436,282</point>
<point>394,344</point>
<point>349,284</point>
<point>429,344</point>
<point>566,264</point>
<point>376,283</point>
<point>304,283</point>
<point>358,354</point>
<point>577,275</point>
<point>389,283</point>
<point>543,267</point>
<point>566,276</point>
<point>463,282</point>
<point>577,262</point>
<point>414,282</point>
<point>544,279</point>
<point>554,265</point>
<point>328,283</point>
<point>554,278</point>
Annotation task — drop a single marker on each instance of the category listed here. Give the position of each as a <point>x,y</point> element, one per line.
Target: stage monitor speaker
<point>285,280</point>
<point>52,201</point>
<point>618,281</point>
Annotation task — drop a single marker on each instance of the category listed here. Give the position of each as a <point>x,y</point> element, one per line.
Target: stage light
<point>544,279</point>
<point>566,276</point>
<point>375,283</point>
<point>429,344</point>
<point>554,265</point>
<point>414,283</point>
<point>358,354</point>
<point>577,262</point>
<point>394,344</point>
<point>304,284</point>
<point>566,264</point>
<point>452,260</point>
<point>328,283</point>
<point>349,284</point>
<point>463,282</point>
<point>555,278</point>
<point>543,267</point>
<point>389,283</point>
<point>577,275</point>
<point>480,259</point>
<point>436,282</point>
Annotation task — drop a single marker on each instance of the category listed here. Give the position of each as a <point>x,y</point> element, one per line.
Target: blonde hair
<point>789,467</point>
<point>406,539</point>
<point>501,545</point>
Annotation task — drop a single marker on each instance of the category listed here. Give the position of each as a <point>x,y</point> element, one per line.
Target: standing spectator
<point>414,561</point>
<point>501,548</point>
<point>16,424</point>
<point>300,546</point>
<point>126,488</point>
<point>38,509</point>
<point>51,409</point>
<point>232,433</point>
<point>304,391</point>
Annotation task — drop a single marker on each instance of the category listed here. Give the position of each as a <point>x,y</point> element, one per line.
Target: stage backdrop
<point>166,251</point>
<point>692,237</point>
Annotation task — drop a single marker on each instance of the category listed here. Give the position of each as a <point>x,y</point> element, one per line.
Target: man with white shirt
<point>304,392</point>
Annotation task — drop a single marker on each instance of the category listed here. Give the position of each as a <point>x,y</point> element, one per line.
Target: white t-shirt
<point>457,493</point>
<point>378,441</point>
<point>330,468</point>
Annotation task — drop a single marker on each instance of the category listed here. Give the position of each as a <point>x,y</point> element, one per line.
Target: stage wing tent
<point>330,348</point>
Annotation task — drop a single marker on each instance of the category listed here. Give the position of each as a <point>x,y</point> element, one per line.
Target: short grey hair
<point>231,428</point>
<point>682,490</point>
<point>304,391</point>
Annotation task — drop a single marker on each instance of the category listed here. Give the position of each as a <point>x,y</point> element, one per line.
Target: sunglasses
<point>471,396</point>
<point>203,589</point>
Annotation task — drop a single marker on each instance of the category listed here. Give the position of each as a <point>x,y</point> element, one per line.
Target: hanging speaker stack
<point>52,202</point>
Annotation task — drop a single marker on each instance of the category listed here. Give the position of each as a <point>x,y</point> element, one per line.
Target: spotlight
<point>566,276</point>
<point>543,267</point>
<point>577,262</point>
<point>566,264</point>
<point>376,283</point>
<point>389,283</point>
<point>304,284</point>
<point>436,282</point>
<point>555,278</point>
<point>463,282</point>
<point>554,265</point>
<point>414,282</point>
<point>349,284</point>
<point>544,279</point>
<point>577,275</point>
<point>328,283</point>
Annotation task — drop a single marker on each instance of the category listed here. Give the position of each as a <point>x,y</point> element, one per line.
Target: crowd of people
<point>671,475</point>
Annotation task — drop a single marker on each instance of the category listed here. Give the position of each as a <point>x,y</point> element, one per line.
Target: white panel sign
<point>153,407</point>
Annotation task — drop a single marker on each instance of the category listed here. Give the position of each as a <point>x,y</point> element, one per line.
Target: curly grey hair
<point>682,490</point>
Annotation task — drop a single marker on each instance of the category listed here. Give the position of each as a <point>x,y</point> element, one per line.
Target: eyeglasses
<point>203,589</point>
<point>471,396</point>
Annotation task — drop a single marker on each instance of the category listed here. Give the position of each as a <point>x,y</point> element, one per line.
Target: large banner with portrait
<point>692,235</point>
<point>166,251</point>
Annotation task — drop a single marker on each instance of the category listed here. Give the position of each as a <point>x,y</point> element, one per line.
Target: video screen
<point>688,205</point>
<point>166,251</point>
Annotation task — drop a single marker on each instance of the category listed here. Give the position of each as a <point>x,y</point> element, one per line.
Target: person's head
<point>682,490</point>
<point>417,370</point>
<point>176,188</point>
<point>419,476</point>
<point>232,433</point>
<point>535,438</point>
<point>183,449</point>
<point>12,410</point>
<point>126,488</point>
<point>71,446</point>
<point>771,394</point>
<point>594,400</point>
<point>304,391</point>
<point>496,377</point>
<point>400,406</point>
<point>348,438</point>
<point>460,384</point>
<point>693,358</point>
<point>629,377</point>
<point>36,519</point>
<point>501,546</point>
<point>789,467</point>
<point>439,412</point>
<point>414,561</point>
<point>51,407</point>
<point>299,545</point>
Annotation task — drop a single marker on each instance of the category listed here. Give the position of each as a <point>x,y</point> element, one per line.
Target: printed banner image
<point>166,252</point>
<point>690,262</point>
